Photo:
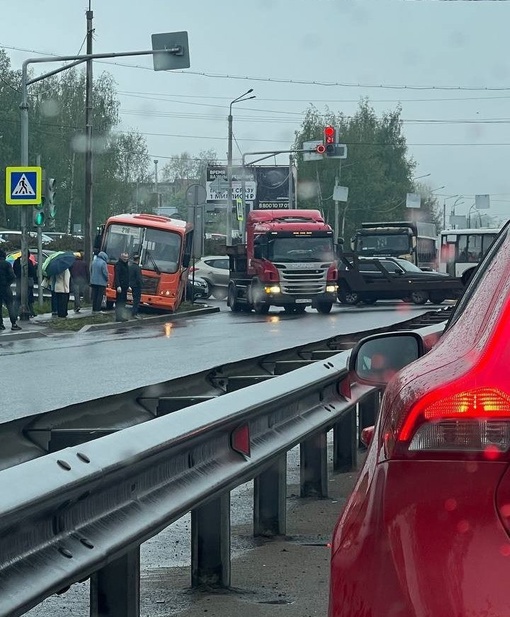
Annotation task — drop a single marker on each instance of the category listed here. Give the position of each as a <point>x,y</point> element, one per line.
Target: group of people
<point>127,277</point>
<point>75,279</point>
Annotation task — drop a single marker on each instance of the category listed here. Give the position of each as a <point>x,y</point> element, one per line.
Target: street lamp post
<point>239,99</point>
<point>444,208</point>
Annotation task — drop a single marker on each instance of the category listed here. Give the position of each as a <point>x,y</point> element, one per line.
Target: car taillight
<point>471,421</point>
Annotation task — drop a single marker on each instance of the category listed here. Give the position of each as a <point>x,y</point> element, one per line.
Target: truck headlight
<point>331,288</point>
<point>274,289</point>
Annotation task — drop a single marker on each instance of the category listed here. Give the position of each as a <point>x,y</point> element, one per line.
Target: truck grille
<point>149,284</point>
<point>300,282</point>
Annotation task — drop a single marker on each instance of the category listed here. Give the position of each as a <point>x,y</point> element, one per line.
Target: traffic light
<point>38,214</point>
<point>330,140</point>
<point>51,189</point>
<point>320,149</point>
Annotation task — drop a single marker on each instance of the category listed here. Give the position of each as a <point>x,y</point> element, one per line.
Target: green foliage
<point>57,134</point>
<point>378,170</point>
<point>183,170</point>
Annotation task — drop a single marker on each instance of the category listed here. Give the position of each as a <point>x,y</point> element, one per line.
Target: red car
<point>426,531</point>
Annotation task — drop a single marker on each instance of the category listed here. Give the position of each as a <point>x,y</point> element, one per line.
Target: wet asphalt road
<point>48,373</point>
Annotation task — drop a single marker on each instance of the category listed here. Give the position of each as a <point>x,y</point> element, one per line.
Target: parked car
<point>371,279</point>
<point>14,237</point>
<point>196,287</point>
<point>214,269</point>
<point>426,530</point>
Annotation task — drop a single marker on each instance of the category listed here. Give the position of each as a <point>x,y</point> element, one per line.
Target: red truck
<point>288,260</point>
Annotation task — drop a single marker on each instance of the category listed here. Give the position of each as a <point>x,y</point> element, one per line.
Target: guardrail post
<point>210,543</point>
<point>314,466</point>
<point>269,500</point>
<point>345,442</point>
<point>368,410</point>
<point>115,589</point>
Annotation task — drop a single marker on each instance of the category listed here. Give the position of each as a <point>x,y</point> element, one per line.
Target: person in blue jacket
<point>98,280</point>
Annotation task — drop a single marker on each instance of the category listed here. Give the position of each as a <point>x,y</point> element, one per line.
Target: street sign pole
<point>24,313</point>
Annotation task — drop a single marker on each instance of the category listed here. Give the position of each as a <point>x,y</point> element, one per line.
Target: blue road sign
<point>23,186</point>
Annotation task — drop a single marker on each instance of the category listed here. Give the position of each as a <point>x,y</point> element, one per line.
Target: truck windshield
<point>380,243</point>
<point>299,249</point>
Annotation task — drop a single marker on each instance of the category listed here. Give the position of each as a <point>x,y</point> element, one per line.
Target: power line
<point>299,82</point>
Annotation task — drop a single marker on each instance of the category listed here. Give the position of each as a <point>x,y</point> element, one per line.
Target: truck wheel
<point>419,297</point>
<point>324,307</point>
<point>437,298</point>
<point>256,295</point>
<point>261,308</point>
<point>232,302</point>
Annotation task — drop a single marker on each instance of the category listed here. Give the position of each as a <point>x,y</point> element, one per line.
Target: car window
<point>221,263</point>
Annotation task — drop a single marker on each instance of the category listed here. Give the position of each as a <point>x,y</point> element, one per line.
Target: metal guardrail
<point>84,511</point>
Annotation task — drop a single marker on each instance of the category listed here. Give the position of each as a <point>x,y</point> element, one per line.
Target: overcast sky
<point>447,63</point>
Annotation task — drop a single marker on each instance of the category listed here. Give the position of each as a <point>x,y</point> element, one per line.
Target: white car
<point>14,237</point>
<point>214,269</point>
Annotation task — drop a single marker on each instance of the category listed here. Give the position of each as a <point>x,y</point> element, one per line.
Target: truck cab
<point>288,260</point>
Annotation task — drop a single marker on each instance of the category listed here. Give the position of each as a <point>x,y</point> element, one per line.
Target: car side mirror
<point>375,359</point>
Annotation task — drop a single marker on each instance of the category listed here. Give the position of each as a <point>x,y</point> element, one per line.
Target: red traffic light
<point>329,134</point>
<point>320,149</point>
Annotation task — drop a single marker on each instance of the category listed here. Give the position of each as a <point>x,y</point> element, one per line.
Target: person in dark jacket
<point>7,277</point>
<point>135,282</point>
<point>32,279</point>
<point>98,280</point>
<point>121,284</point>
<point>79,280</point>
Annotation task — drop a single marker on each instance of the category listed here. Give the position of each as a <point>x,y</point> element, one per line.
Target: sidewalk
<point>39,326</point>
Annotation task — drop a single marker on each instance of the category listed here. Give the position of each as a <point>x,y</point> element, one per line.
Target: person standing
<point>61,284</point>
<point>135,282</point>
<point>7,277</point>
<point>98,280</point>
<point>79,280</point>
<point>121,284</point>
<point>32,278</point>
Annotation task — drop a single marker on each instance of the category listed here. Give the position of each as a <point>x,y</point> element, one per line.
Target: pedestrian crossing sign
<point>23,186</point>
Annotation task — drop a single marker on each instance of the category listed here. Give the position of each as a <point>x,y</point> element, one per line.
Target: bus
<point>414,241</point>
<point>165,247</point>
<point>460,250</point>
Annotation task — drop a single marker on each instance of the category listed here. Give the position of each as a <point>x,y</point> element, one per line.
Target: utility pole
<point>87,229</point>
<point>156,185</point>
<point>291,186</point>
<point>239,99</point>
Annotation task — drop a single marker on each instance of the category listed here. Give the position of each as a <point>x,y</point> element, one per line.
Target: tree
<point>57,134</point>
<point>377,172</point>
<point>9,132</point>
<point>183,170</point>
